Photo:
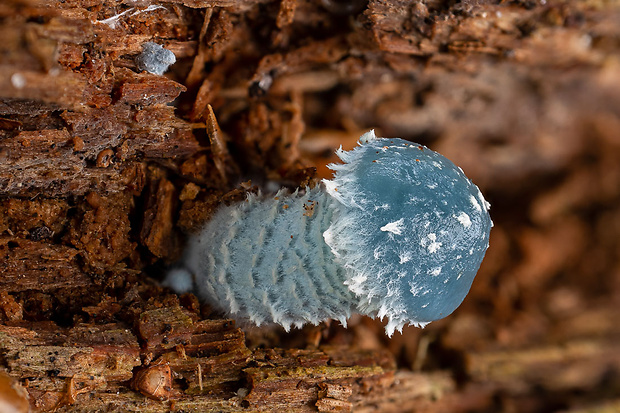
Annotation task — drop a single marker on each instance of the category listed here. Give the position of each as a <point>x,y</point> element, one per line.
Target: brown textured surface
<point>105,170</point>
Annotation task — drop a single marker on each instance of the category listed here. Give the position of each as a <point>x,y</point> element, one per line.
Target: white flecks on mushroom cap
<point>430,242</point>
<point>395,227</point>
<point>436,216</point>
<point>464,219</point>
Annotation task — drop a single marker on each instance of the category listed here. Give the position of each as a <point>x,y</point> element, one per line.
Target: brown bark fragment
<point>93,154</point>
<point>286,13</point>
<point>13,397</point>
<point>87,352</point>
<point>154,382</point>
<point>157,233</point>
<point>197,71</point>
<point>40,265</point>
<point>148,90</point>
<point>22,216</point>
<point>221,157</point>
<point>11,309</point>
<point>100,230</point>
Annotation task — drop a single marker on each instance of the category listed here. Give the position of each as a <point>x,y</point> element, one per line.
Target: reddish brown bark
<point>104,170</point>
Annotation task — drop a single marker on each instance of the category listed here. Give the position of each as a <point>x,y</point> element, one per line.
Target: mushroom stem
<point>265,260</point>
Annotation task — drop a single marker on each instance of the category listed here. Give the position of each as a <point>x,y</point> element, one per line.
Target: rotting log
<point>105,169</point>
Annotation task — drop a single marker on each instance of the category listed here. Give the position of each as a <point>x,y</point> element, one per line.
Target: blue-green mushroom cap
<point>411,230</point>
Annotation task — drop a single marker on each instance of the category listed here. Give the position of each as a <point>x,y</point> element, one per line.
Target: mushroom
<point>398,233</point>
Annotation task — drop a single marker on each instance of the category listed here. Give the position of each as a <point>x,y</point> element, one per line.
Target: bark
<point>105,170</point>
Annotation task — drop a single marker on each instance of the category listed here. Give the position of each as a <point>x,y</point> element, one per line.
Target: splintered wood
<point>182,358</point>
<point>105,169</point>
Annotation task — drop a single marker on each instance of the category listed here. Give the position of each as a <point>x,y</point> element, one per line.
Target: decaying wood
<point>104,170</point>
<point>185,358</point>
